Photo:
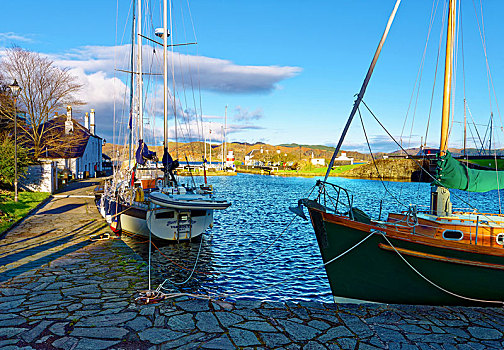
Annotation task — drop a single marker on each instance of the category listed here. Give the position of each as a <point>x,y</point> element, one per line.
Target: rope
<point>190,275</point>
<point>436,285</point>
<point>297,277</point>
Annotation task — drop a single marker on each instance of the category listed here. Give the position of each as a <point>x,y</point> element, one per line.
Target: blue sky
<point>288,70</point>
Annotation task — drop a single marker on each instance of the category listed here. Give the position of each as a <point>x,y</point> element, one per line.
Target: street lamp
<point>15,90</point>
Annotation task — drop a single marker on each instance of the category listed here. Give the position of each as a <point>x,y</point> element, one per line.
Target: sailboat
<point>434,257</point>
<point>138,200</point>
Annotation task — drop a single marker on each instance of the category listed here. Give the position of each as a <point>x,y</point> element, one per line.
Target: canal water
<point>258,249</point>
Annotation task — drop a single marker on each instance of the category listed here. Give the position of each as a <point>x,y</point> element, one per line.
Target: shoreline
<point>59,289</point>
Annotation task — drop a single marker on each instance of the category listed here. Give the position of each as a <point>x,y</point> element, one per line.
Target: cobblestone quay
<point>60,290</point>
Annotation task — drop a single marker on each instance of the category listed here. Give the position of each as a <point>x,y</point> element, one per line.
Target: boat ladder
<point>184,225</point>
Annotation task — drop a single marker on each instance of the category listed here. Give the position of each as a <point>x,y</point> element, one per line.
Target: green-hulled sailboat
<point>436,257</point>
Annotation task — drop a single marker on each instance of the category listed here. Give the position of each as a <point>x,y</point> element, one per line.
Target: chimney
<point>92,123</point>
<point>86,121</point>
<point>68,121</point>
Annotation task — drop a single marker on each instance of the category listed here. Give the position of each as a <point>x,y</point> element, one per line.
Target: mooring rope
<point>436,285</point>
<point>226,295</point>
<point>190,275</point>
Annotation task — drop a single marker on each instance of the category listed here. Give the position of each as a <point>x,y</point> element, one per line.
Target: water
<point>259,218</point>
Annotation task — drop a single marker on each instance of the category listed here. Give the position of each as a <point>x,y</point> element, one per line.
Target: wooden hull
<point>374,271</point>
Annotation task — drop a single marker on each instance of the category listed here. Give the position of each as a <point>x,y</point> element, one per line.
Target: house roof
<point>70,146</point>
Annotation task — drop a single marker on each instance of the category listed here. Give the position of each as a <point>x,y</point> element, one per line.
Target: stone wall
<point>387,168</point>
<point>40,177</point>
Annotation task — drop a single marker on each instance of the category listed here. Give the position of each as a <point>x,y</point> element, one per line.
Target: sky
<point>287,70</point>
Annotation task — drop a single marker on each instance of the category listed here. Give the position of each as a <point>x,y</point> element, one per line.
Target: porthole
<point>500,239</point>
<point>453,235</point>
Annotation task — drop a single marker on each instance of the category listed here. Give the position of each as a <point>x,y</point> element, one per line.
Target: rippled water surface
<point>259,221</point>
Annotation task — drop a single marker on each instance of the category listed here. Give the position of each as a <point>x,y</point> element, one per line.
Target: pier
<point>60,290</point>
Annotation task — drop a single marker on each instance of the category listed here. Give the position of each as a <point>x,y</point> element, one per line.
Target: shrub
<point>7,161</point>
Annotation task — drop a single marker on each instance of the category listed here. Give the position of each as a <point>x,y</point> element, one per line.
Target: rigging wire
<point>421,167</point>
<point>374,161</point>
<point>419,74</point>
<point>436,71</point>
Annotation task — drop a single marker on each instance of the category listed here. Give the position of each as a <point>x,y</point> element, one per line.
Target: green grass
<point>316,171</point>
<point>15,211</point>
<point>488,162</point>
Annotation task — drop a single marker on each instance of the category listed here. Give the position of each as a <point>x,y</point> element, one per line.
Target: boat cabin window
<point>500,239</point>
<point>453,235</point>
<point>165,215</point>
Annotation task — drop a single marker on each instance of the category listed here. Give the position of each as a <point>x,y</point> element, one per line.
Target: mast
<point>363,88</point>
<point>440,204</point>
<point>139,69</point>
<point>130,119</point>
<point>445,121</point>
<point>225,134</point>
<point>173,82</point>
<point>165,82</point>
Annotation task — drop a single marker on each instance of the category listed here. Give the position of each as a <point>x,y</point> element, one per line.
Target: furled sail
<point>453,174</point>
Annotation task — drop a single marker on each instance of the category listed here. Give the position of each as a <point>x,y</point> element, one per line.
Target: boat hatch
<point>453,235</point>
<point>165,215</point>
<point>500,239</point>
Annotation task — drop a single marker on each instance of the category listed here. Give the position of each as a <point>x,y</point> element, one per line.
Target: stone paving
<point>59,290</point>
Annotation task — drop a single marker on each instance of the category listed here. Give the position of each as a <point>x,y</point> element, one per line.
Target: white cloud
<point>106,89</point>
<point>213,74</point>
<point>243,114</point>
<point>12,37</point>
<point>378,143</point>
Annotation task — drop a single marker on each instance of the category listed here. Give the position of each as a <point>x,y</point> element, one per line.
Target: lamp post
<point>15,90</point>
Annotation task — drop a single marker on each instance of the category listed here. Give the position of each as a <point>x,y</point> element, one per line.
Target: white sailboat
<point>137,200</point>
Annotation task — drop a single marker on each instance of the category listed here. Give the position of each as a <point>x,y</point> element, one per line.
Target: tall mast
<point>225,134</point>
<point>445,121</point>
<point>173,82</point>
<point>139,70</point>
<point>165,77</point>
<point>132,81</point>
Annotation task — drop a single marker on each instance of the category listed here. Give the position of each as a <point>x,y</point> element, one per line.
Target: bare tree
<point>46,88</point>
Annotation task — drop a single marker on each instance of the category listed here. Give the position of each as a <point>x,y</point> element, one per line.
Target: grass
<point>15,211</point>
<point>490,163</point>
<point>315,171</point>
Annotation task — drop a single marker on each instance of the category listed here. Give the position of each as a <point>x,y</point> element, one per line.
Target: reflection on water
<point>259,217</point>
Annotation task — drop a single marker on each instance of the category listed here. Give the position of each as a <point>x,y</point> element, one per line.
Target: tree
<point>46,88</point>
<point>7,160</point>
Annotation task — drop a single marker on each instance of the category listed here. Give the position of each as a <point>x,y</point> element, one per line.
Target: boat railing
<point>335,197</point>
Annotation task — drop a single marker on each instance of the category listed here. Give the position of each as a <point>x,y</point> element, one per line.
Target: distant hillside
<point>321,147</point>
<point>194,151</point>
<point>293,152</point>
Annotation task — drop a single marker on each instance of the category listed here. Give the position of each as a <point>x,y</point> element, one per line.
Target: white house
<point>344,159</point>
<point>318,161</point>
<point>83,158</point>
<point>79,152</point>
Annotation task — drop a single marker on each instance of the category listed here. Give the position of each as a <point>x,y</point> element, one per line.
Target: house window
<point>453,235</point>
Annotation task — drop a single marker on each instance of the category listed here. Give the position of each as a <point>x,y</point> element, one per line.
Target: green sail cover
<point>453,174</point>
